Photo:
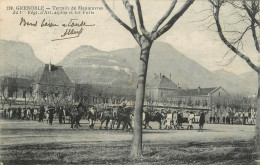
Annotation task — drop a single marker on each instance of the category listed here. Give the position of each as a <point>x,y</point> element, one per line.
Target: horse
<point>67,114</point>
<point>124,116</point>
<point>152,117</point>
<point>76,114</point>
<point>107,115</point>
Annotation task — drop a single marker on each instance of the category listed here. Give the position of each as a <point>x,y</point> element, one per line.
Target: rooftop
<point>54,75</point>
<point>162,82</point>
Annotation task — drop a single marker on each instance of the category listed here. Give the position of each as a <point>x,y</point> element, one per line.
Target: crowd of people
<point>37,114</point>
<point>233,118</point>
<point>176,119</point>
<point>118,114</point>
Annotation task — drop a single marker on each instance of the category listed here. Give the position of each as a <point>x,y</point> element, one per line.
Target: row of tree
<point>14,90</point>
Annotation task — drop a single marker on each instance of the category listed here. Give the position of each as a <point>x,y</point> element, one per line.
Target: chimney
<point>170,76</point>
<point>160,75</point>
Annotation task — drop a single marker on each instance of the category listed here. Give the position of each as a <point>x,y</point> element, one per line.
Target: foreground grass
<point>233,152</point>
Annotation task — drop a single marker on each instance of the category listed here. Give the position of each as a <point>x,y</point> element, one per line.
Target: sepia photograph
<point>130,82</point>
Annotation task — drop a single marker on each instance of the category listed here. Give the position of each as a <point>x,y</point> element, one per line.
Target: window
<point>161,94</point>
<point>218,93</point>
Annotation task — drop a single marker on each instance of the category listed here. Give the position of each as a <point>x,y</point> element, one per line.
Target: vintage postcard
<point>129,82</point>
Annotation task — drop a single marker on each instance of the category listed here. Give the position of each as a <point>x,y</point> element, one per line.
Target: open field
<point>30,142</point>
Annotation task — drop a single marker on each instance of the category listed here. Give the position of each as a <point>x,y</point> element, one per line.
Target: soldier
<point>22,113</point>
<point>32,110</point>
<point>218,118</point>
<point>74,115</point>
<point>64,114</point>
<point>11,113</point>
<point>190,119</point>
<point>60,114</point>
<point>51,113</point>
<point>42,110</point>
<point>28,113</point>
<point>5,113</point>
<point>224,119</point>
<point>35,113</point>
<point>19,112</point>
<point>180,119</point>
<point>168,120</point>
<point>9,109</point>
<point>202,121</point>
<point>175,119</point>
<point>91,116</point>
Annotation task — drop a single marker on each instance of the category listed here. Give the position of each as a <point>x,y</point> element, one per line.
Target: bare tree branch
<point>171,22</point>
<point>166,15</point>
<point>223,38</point>
<point>131,14</point>
<point>116,17</point>
<point>201,20</point>
<point>250,14</point>
<point>224,56</point>
<point>255,37</point>
<point>129,8</point>
<point>140,15</point>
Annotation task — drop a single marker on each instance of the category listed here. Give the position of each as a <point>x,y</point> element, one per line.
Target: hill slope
<point>89,65</point>
<point>184,71</point>
<point>18,58</point>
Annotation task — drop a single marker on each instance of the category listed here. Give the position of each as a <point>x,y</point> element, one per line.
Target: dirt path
<point>31,142</point>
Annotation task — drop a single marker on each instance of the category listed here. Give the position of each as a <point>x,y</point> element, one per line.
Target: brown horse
<point>124,116</point>
<point>107,116</point>
<point>152,116</point>
<point>76,113</point>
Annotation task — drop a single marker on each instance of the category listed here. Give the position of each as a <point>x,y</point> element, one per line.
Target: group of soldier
<point>118,115</point>
<point>238,118</point>
<point>176,119</point>
<point>20,113</point>
<point>41,113</point>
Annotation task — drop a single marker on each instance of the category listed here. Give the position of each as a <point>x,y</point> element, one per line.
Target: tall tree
<point>248,11</point>
<point>145,40</point>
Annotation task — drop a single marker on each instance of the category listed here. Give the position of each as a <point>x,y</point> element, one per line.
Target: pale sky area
<point>193,39</point>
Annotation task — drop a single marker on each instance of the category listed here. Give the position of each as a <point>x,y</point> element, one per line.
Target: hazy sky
<point>189,36</point>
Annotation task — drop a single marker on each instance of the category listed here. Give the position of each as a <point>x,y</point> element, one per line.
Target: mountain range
<point>17,58</point>
<point>87,64</point>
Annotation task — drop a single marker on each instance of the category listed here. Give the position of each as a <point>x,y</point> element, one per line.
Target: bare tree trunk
<point>139,100</point>
<point>257,128</point>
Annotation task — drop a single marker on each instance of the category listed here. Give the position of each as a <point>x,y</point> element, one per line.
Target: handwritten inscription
<point>74,27</point>
<point>49,24</point>
<point>72,32</point>
<point>23,22</point>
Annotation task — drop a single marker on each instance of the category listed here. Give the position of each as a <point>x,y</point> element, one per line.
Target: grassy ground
<point>29,142</point>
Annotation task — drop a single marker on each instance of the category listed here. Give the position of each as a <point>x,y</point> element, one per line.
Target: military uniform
<point>51,113</point>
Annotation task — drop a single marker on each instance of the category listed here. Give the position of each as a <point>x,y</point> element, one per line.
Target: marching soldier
<point>202,121</point>
<point>51,113</point>
<point>190,119</point>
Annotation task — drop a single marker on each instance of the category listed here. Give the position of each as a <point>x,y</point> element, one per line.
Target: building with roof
<point>15,91</point>
<point>160,87</point>
<point>54,86</point>
<point>163,90</point>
